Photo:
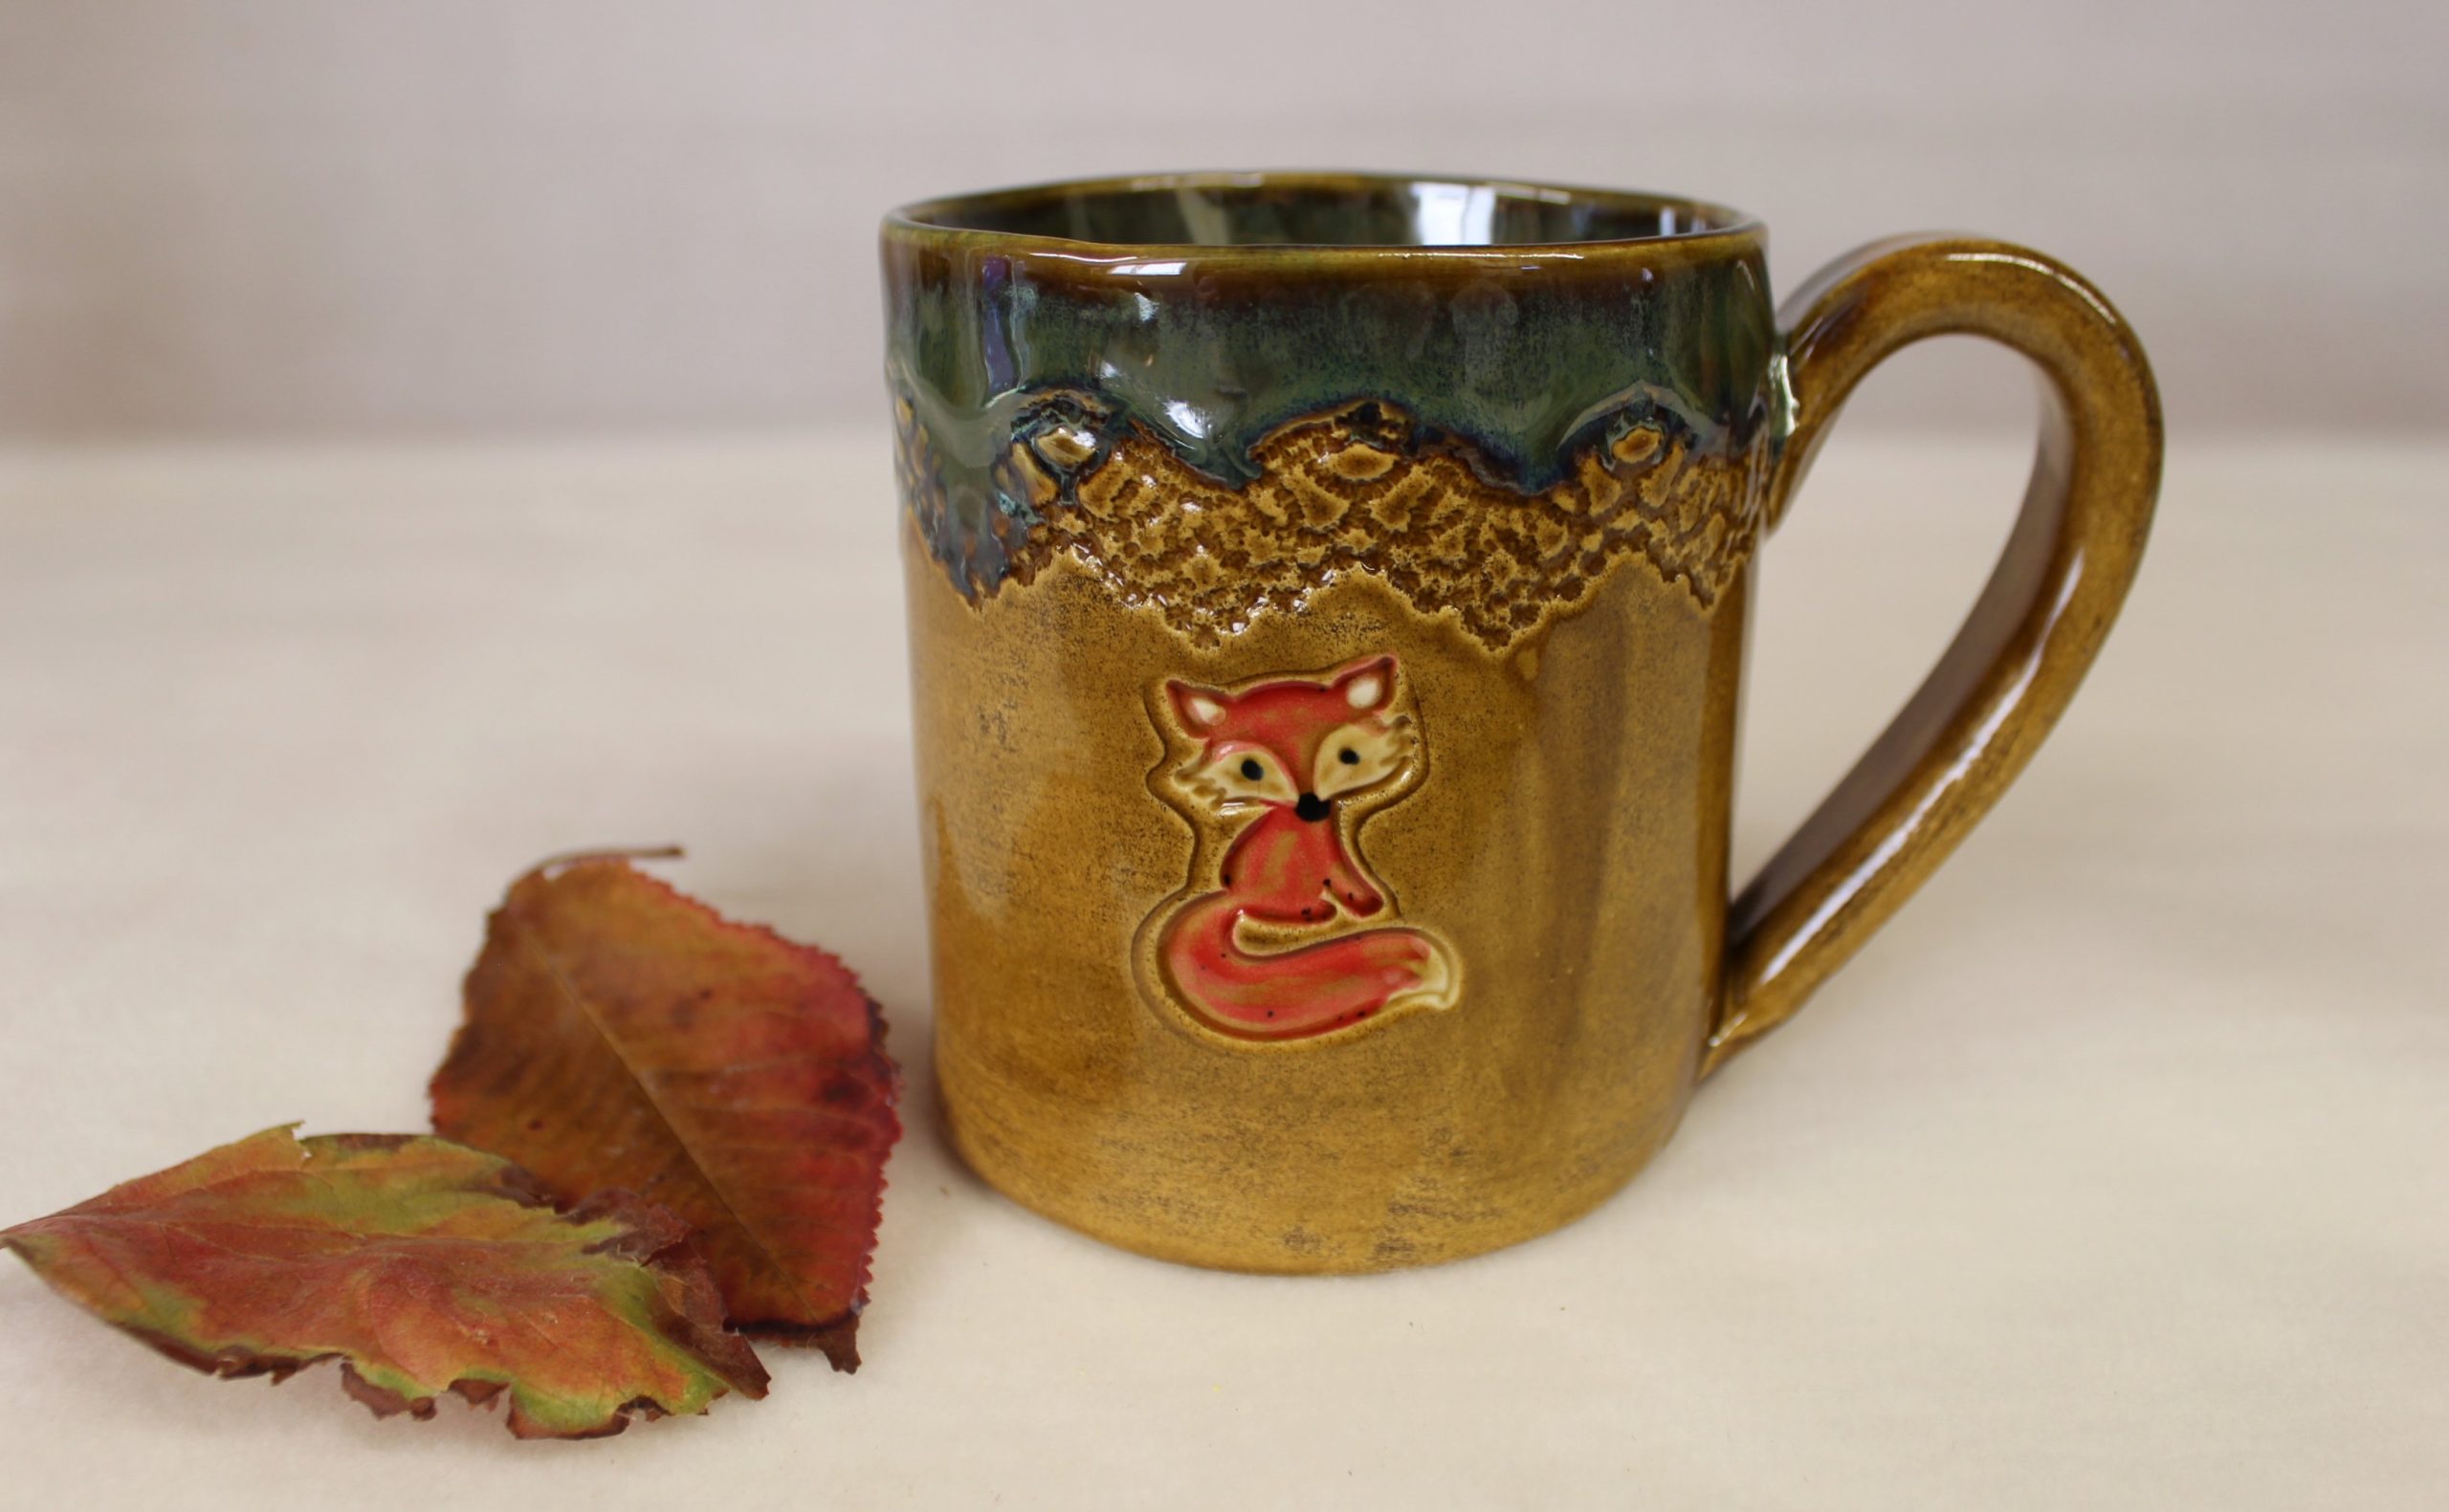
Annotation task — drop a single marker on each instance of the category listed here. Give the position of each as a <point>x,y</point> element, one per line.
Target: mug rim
<point>1717,229</point>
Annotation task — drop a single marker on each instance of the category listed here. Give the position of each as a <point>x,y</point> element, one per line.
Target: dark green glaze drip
<point>1522,355</point>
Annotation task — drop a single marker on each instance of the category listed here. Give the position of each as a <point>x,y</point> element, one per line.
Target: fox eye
<point>1252,769</point>
<point>1348,756</point>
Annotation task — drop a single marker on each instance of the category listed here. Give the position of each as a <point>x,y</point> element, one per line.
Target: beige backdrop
<point>305,216</point>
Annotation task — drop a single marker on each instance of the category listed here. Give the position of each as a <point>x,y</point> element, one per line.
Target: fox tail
<point>1298,992</point>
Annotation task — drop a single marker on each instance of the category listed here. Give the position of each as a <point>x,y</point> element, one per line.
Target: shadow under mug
<point>1327,599</point>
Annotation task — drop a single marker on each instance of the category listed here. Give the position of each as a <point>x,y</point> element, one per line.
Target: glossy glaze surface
<point>1527,352</point>
<point>2002,683</point>
<point>1191,523</point>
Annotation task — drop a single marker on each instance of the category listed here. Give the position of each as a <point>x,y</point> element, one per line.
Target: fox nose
<point>1311,807</point>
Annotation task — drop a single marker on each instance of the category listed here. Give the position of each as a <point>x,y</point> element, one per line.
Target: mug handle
<point>1983,711</point>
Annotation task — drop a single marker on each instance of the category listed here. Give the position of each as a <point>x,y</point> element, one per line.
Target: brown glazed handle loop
<point>1984,709</point>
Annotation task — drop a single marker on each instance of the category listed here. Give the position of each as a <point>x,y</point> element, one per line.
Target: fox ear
<point>1201,709</point>
<point>1368,686</point>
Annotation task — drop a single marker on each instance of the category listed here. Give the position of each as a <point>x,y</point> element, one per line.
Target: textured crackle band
<point>1353,489</point>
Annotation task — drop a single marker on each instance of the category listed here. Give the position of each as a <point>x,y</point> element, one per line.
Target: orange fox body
<point>1294,750</point>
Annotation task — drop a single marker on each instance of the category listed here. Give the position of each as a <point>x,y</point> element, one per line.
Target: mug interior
<point>1323,209</point>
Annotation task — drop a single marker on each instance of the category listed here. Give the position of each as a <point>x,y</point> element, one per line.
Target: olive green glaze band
<point>1525,352</point>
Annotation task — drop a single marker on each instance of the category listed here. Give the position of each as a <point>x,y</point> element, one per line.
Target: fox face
<point>1297,744</point>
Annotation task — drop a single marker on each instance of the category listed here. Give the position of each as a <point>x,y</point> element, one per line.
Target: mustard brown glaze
<point>1210,479</point>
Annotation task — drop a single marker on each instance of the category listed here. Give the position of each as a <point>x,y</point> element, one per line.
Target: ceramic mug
<point>1327,599</point>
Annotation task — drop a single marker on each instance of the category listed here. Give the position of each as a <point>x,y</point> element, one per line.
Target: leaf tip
<point>837,1339</point>
<point>563,861</point>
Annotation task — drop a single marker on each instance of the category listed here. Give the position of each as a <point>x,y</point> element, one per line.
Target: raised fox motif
<point>1296,752</point>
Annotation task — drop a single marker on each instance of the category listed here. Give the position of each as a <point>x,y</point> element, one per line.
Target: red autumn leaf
<point>620,1034</point>
<point>420,1265</point>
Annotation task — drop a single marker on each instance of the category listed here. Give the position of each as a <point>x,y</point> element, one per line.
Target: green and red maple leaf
<point>664,1130</point>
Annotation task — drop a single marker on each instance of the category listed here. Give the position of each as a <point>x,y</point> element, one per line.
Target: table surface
<point>2114,1174</point>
